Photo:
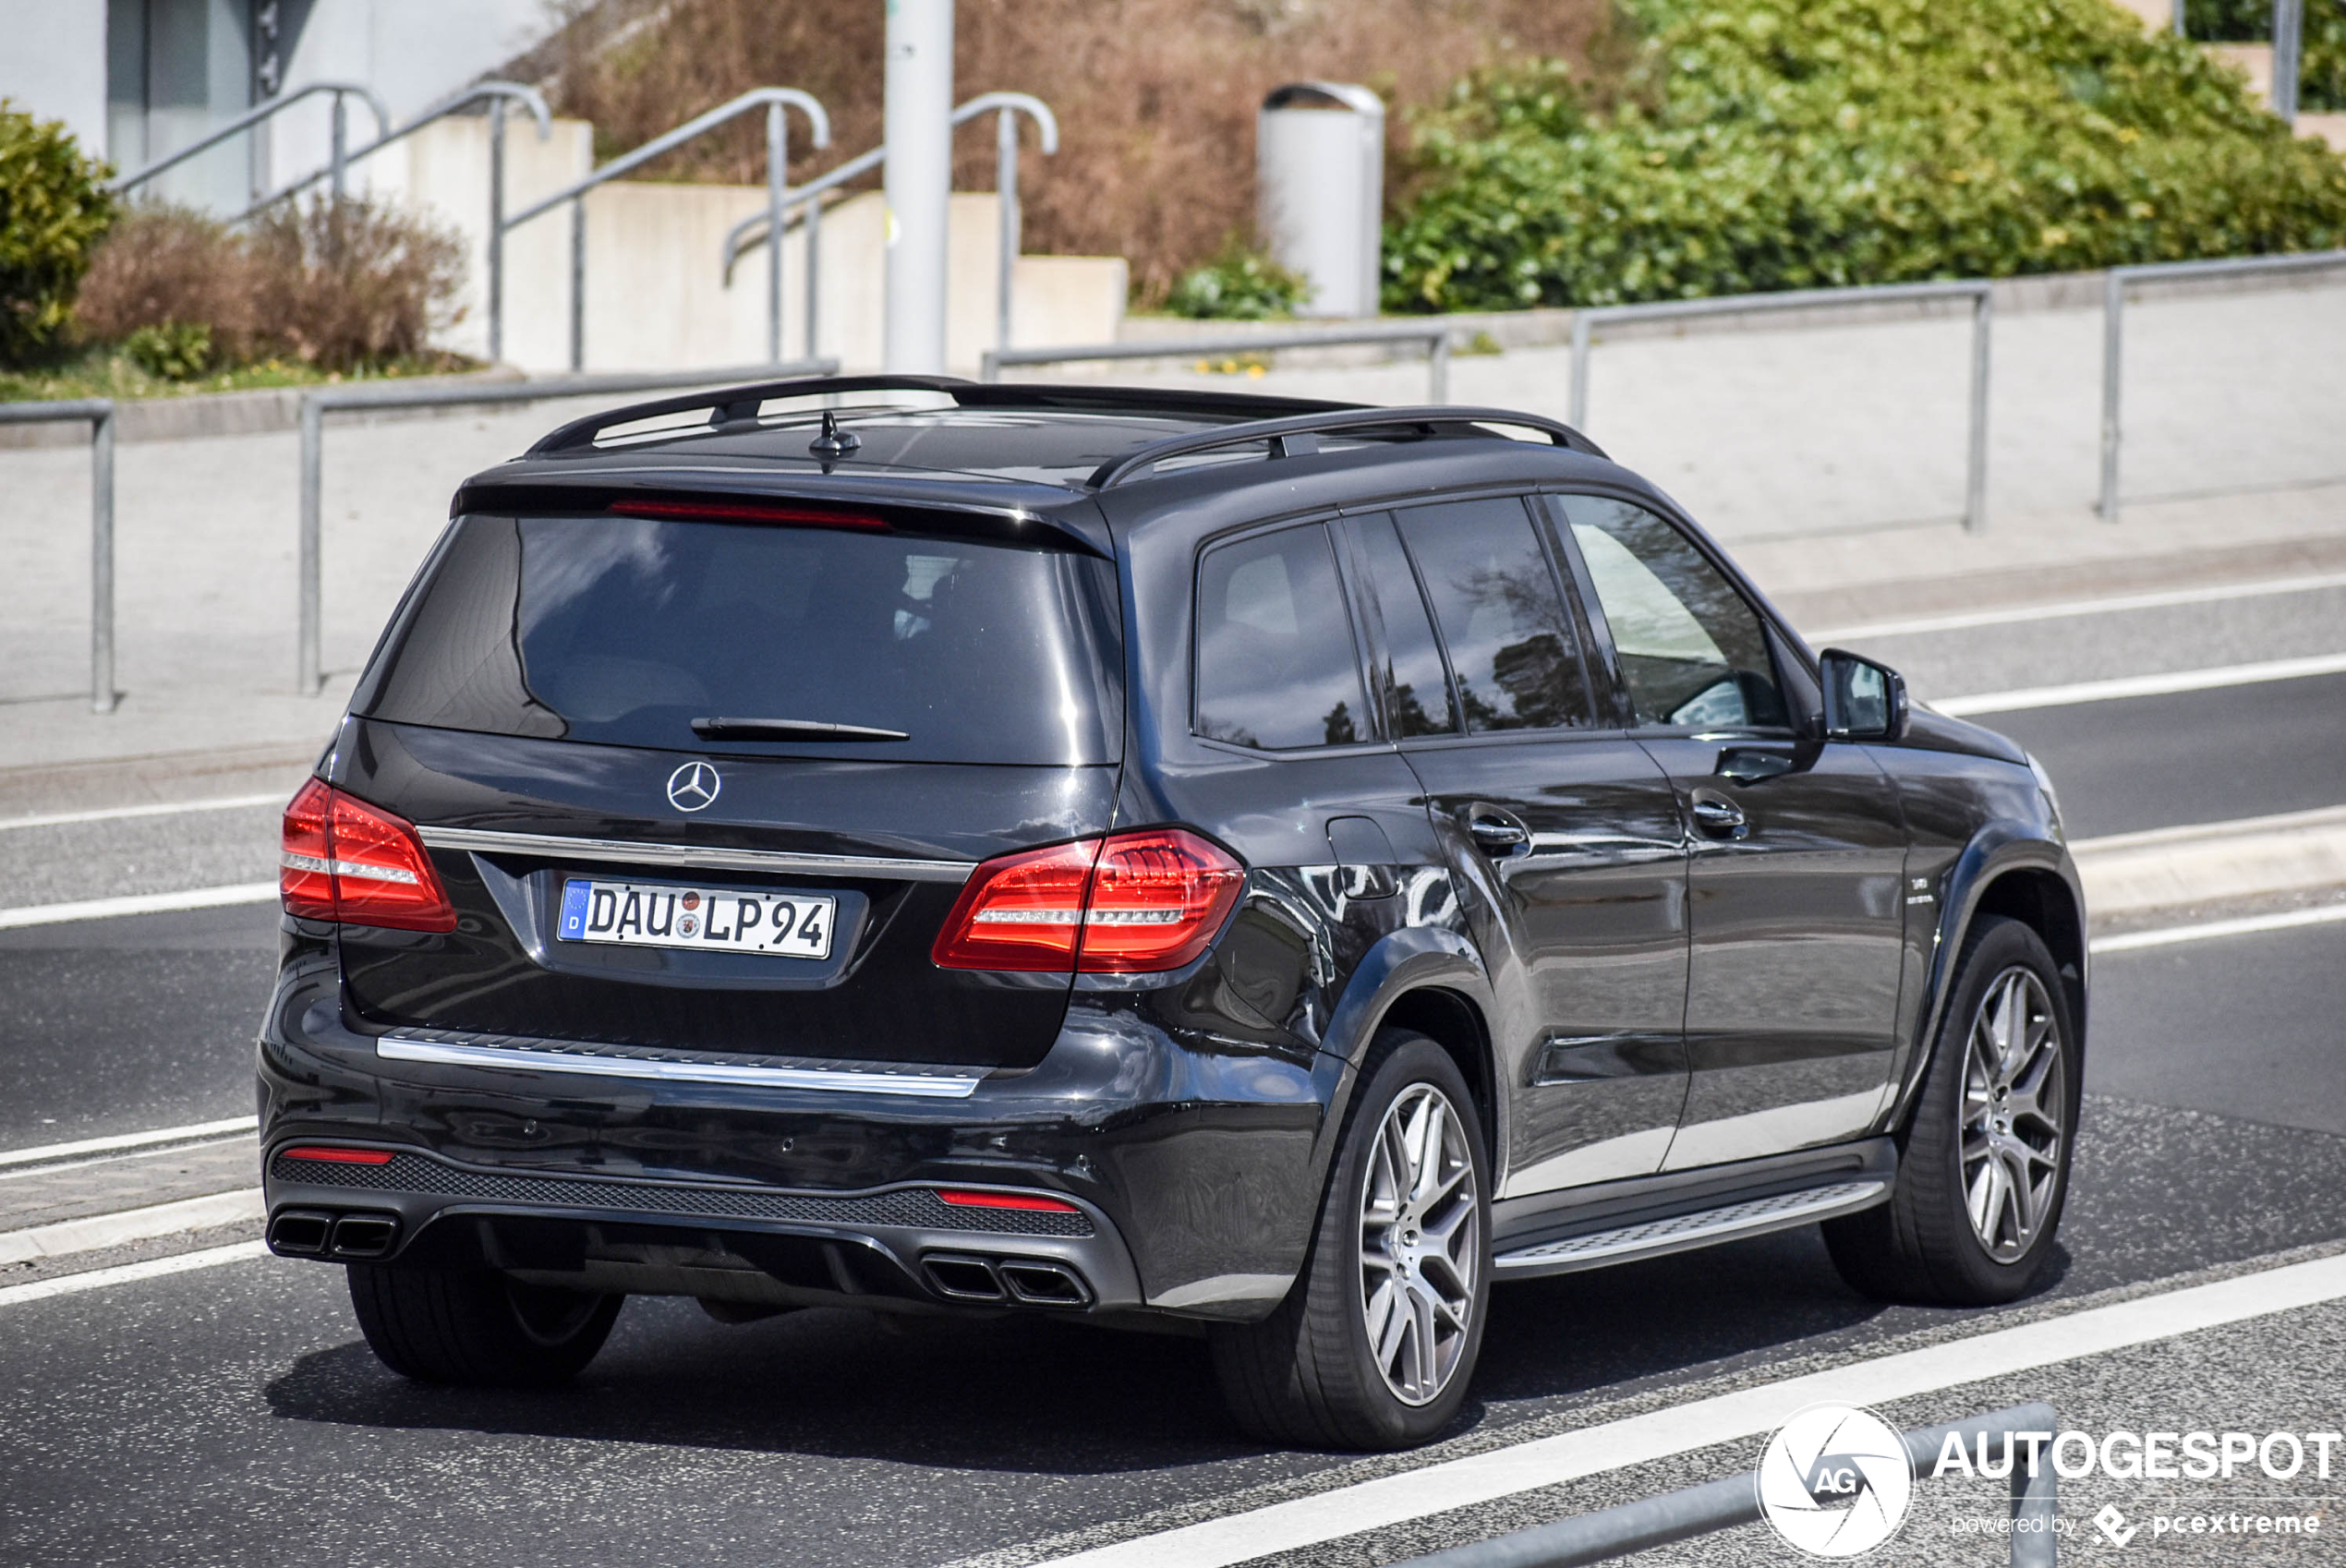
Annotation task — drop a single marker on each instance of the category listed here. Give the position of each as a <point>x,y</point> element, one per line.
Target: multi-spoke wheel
<point>1375,1343</point>
<point>1984,1163</point>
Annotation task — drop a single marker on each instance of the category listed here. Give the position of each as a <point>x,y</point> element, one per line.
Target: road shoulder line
<point>128,1274</point>
<point>138,903</point>
<point>101,1231</point>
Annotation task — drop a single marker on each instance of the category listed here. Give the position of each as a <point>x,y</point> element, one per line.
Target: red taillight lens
<point>1032,1202</point>
<point>1157,899</point>
<point>338,1156</point>
<point>347,860</point>
<point>747,511</point>
<point>1022,911</point>
<point>1135,902</point>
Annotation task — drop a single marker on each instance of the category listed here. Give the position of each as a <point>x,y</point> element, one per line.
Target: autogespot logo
<point>1835,1481</point>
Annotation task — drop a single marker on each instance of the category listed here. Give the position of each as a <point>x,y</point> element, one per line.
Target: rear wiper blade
<point>789,729</point>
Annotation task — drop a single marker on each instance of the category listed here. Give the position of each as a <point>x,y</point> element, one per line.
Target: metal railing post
<point>2288,60</point>
<point>252,118</point>
<point>497,231</point>
<point>578,284</point>
<point>102,682</point>
<point>342,149</point>
<point>776,170</point>
<point>2113,344</point>
<point>1006,198</point>
<point>2036,1502</point>
<point>309,672</point>
<point>1983,316</point>
<point>1577,406</point>
<point>813,225</point>
<point>1437,366</point>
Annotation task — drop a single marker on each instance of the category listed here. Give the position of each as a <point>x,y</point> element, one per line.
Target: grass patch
<point>110,372</point>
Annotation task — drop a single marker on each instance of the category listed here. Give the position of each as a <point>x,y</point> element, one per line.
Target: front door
<point>1565,835</point>
<point>1799,847</point>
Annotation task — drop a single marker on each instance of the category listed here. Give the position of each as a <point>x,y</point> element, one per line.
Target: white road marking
<point>114,1141</point>
<point>128,1273</point>
<point>2206,832</point>
<point>140,903</point>
<point>68,1237</point>
<point>113,813</point>
<point>2142,685</point>
<point>1702,1423</point>
<point>2247,926</point>
<point>2116,604</point>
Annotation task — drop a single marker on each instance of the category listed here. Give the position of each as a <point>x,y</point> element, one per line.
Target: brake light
<point>338,1156</point>
<point>969,1198</point>
<point>343,859</point>
<point>1134,903</point>
<point>746,512</point>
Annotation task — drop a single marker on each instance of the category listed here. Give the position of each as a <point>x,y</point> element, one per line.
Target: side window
<point>1691,649</point>
<point>1510,642</point>
<point>1276,663</point>
<point>1417,691</point>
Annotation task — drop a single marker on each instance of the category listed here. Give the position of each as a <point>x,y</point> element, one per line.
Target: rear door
<point>1798,848</point>
<point>608,732</point>
<point>1567,828</point>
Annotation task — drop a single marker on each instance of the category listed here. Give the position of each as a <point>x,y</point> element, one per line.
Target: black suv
<point>1277,867</point>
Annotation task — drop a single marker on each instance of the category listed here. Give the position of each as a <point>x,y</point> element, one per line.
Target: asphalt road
<point>234,1415</point>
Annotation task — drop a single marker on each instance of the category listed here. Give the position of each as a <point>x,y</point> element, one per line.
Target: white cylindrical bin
<point>1320,191</point>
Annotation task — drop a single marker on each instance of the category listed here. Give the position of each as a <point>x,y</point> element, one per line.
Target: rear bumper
<point>1195,1172</point>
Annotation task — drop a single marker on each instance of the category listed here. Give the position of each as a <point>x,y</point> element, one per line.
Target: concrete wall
<point>52,64</point>
<point>655,298</point>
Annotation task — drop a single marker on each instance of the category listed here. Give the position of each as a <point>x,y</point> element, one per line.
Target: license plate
<point>726,920</point>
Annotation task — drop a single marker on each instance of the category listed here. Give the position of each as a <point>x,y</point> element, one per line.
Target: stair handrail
<point>757,228</point>
<point>776,102</point>
<point>339,165</point>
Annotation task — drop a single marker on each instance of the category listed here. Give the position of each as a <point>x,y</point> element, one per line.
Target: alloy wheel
<point>2016,1103</point>
<point>1421,1244</point>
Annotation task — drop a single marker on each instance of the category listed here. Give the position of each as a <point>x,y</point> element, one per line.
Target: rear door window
<point>1512,645</point>
<point>1417,689</point>
<point>1277,668</point>
<point>626,630</point>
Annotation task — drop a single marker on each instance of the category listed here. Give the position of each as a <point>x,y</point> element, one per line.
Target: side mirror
<point>1864,700</point>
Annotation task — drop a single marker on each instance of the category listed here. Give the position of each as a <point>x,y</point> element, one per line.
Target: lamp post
<point>920,180</point>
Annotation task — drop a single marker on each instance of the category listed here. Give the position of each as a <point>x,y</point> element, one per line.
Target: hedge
<point>1755,145</point>
<point>54,210</point>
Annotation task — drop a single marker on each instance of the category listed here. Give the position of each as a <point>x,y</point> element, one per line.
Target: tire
<point>1991,1123</point>
<point>476,1328</point>
<point>1309,1375</point>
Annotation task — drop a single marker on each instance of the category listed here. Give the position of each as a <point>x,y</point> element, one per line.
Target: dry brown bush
<point>161,265</point>
<point>335,286</point>
<point>1156,98</point>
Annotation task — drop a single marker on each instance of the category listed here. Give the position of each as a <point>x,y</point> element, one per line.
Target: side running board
<point>1652,1238</point>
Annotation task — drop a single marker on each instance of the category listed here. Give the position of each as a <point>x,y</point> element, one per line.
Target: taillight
<point>1031,1203</point>
<point>337,1156</point>
<point>1134,902</point>
<point>343,859</point>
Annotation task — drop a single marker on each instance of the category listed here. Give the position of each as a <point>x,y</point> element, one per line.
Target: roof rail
<point>728,404</point>
<point>1298,435</point>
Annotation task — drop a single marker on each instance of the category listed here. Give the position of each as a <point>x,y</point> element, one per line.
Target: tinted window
<point>1691,649</point>
<point>1511,646</point>
<point>625,630</point>
<point>1417,691</point>
<point>1275,667</point>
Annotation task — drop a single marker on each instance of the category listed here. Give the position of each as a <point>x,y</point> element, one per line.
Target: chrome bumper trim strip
<point>397,1048</point>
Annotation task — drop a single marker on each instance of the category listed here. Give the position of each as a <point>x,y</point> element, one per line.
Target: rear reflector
<point>340,1157</point>
<point>343,859</point>
<point>968,1198</point>
<point>1134,902</point>
<point>746,512</point>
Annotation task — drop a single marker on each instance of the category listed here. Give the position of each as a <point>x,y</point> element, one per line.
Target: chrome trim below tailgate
<point>937,1086</point>
<point>624,850</point>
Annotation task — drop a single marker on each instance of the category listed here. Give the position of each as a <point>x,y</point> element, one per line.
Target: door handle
<point>1721,818</point>
<point>1496,833</point>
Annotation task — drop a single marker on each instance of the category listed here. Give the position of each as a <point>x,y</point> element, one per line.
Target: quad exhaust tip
<point>1028,1282</point>
<point>316,1233</point>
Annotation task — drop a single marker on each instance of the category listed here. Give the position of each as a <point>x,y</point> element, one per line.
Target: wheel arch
<point>1432,980</point>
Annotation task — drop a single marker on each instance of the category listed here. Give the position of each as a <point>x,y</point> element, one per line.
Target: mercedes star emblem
<point>693,787</point>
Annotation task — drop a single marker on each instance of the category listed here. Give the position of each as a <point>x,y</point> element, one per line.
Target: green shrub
<point>54,210</point>
<point>177,351</point>
<point>1756,146</point>
<point>2321,85</point>
<point>1240,284</point>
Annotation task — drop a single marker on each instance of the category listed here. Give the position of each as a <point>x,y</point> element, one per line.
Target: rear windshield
<point>627,630</point>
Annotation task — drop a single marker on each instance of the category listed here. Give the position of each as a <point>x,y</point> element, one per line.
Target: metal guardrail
<point>338,167</point>
<point>2113,328</point>
<point>776,102</point>
<point>315,405</point>
<point>1436,336</point>
<point>97,413</point>
<point>1722,1505</point>
<point>1978,290</point>
<point>758,228</point>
